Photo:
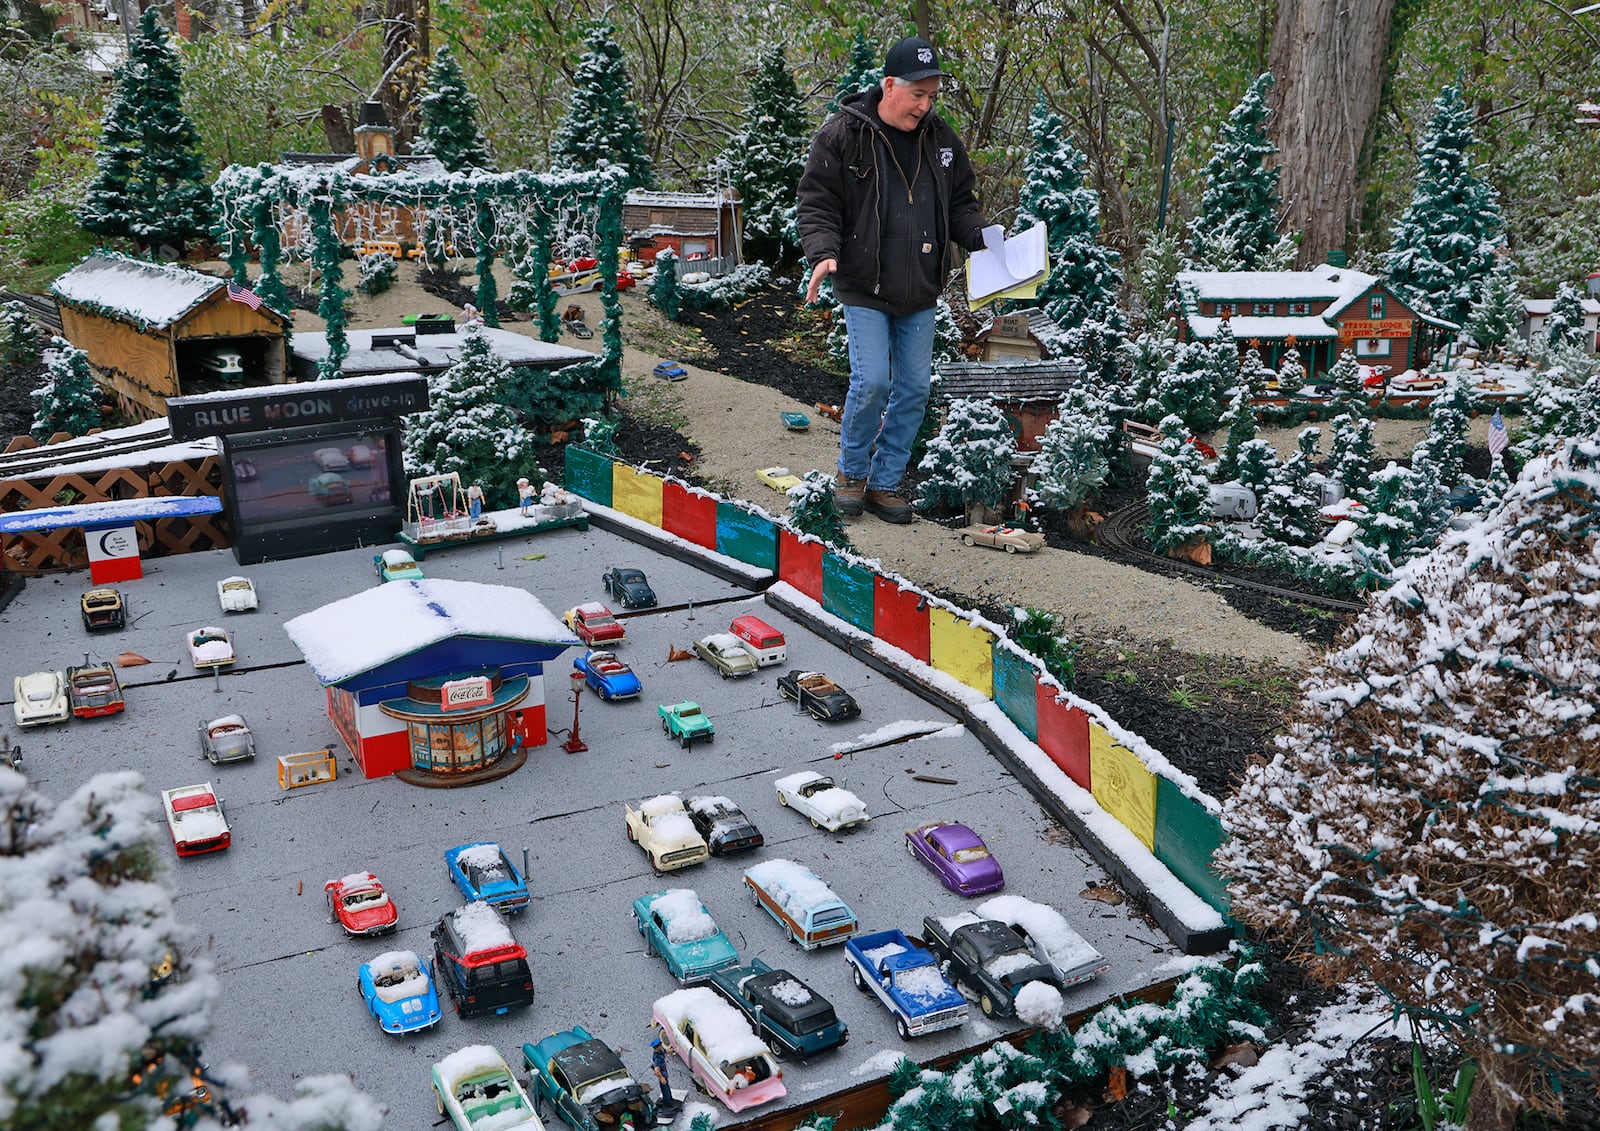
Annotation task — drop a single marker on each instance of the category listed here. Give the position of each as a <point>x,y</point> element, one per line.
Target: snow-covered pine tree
<point>1426,824</point>
<point>1291,372</point>
<point>1240,423</point>
<point>449,128</point>
<point>1257,466</point>
<point>1149,356</point>
<point>1288,511</point>
<point>1252,370</point>
<point>68,400</point>
<point>1428,496</point>
<point>1388,519</point>
<point>1495,319</point>
<point>1349,395</point>
<point>1564,327</point>
<point>150,182</point>
<point>1179,495</point>
<point>1447,427</point>
<point>861,72</point>
<point>1550,414</point>
<point>600,435</point>
<point>1042,635</point>
<point>466,427</point>
<point>1222,364</point>
<point>1240,202</point>
<point>376,272</point>
<point>1186,390</point>
<point>812,510</point>
<point>1071,464</point>
<point>1443,247</point>
<point>1352,453</point>
<point>1099,344</point>
<point>766,159</point>
<point>1158,265</point>
<point>969,462</point>
<point>666,294</point>
<point>1085,276</point>
<point>603,122</point>
<point>21,343</point>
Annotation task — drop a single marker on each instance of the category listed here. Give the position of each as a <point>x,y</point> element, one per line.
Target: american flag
<point>1498,440</point>
<point>248,297</point>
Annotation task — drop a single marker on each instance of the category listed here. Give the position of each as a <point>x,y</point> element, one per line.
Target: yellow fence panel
<point>1122,785</point>
<point>295,770</point>
<point>636,493</point>
<point>961,649</point>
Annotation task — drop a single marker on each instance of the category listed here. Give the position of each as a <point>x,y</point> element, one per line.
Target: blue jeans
<point>891,367</point>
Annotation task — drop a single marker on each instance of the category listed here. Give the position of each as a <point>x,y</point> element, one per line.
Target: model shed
<point>158,330</point>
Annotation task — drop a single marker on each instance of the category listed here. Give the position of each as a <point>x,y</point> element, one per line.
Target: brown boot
<point>888,506</point>
<point>848,494</point>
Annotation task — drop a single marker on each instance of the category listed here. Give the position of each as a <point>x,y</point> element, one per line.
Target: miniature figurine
<point>474,501</point>
<point>525,496</point>
<point>470,315</point>
<point>658,1065</point>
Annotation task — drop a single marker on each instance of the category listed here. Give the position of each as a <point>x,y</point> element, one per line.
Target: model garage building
<point>440,677</point>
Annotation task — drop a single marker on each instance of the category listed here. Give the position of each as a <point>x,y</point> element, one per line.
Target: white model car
<point>817,797</point>
<point>1049,936</point>
<point>331,459</point>
<point>40,698</point>
<point>723,651</point>
<point>237,595</point>
<point>476,1090</point>
<point>210,647</point>
<point>195,819</point>
<point>662,827</point>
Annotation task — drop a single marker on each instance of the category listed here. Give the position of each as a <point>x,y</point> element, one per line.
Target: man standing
<point>887,189</point>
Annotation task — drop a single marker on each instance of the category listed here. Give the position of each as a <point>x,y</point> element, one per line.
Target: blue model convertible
<point>485,874</point>
<point>586,1082</point>
<point>399,991</point>
<point>677,926</point>
<point>609,676</point>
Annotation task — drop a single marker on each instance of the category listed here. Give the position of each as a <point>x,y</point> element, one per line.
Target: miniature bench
<point>295,770</point>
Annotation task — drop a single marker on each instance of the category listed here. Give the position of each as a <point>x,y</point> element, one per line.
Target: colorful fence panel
<point>588,475</point>
<point>1063,734</point>
<point>847,591</point>
<point>1016,690</point>
<point>1186,836</point>
<point>1121,784</point>
<point>689,514</point>
<point>636,494</point>
<point>900,617</point>
<point>747,537</point>
<point>961,649</point>
<point>800,564</point>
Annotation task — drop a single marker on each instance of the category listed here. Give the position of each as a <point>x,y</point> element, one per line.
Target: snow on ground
<point>880,1063</point>
<point>905,728</point>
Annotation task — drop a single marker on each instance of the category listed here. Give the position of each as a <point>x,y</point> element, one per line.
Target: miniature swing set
<point>439,515</point>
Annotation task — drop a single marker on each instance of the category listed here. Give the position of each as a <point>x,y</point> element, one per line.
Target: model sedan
<point>958,856</point>
<point>484,873</point>
<point>226,739</point>
<point>475,1087</point>
<point>210,647</point>
<point>396,565</point>
<point>1011,539</point>
<point>399,992</point>
<point>40,698</point>
<point>815,796</point>
<point>103,610</point>
<point>723,825</point>
<point>586,1082</point>
<point>629,586</point>
<point>94,690</point>
<point>677,926</point>
<point>814,692</point>
<point>610,677</point>
<point>669,371</point>
<point>360,904</point>
<point>723,651</point>
<point>237,595</point>
<point>792,1017</point>
<point>780,479</point>
<point>331,459</point>
<point>595,624</point>
<point>1048,934</point>
<point>330,488</point>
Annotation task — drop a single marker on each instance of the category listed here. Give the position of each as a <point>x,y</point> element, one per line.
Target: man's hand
<point>823,269</point>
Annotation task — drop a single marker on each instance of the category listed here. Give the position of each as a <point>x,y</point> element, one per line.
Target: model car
<point>237,595</point>
<point>610,677</point>
<point>677,926</point>
<point>361,455</point>
<point>586,1082</point>
<point>103,610</point>
<point>476,1089</point>
<point>788,1014</point>
<point>595,624</point>
<point>331,459</point>
<point>957,856</point>
<point>629,586</point>
<point>986,959</point>
<point>724,825</point>
<point>330,488</point>
<point>94,690</point>
<point>795,421</point>
<point>1049,936</point>
<point>578,328</point>
<point>723,1055</point>
<point>905,978</point>
<point>780,479</point>
<point>815,796</point>
<point>245,470</point>
<point>625,281</point>
<point>669,371</point>
<point>814,692</point>
<point>479,963</point>
<point>40,698</point>
<point>396,565</point>
<point>399,992</point>
<point>210,647</point>
<point>226,739</point>
<point>484,873</point>
<point>661,826</point>
<point>1011,539</point>
<point>723,651</point>
<point>686,722</point>
<point>195,819</point>
<point>1417,383</point>
<point>360,904</point>
<point>808,910</point>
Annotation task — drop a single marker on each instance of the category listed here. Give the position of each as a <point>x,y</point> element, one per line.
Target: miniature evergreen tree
<point>1443,247</point>
<point>812,510</point>
<point>1158,266</point>
<point>1253,372</point>
<point>862,71</point>
<point>1186,389</point>
<point>377,272</point>
<point>150,181</point>
<point>1349,395</point>
<point>1221,363</point>
<point>1352,453</point>
<point>1257,467</point>
<point>1071,464</point>
<point>1240,202</point>
<point>68,400</point>
<point>1447,428</point>
<point>466,428</point>
<point>1428,496</point>
<point>1240,422</point>
<point>1550,414</point>
<point>1387,523</point>
<point>1288,512</point>
<point>20,340</point>
<point>969,462</point>
<point>1179,495</point>
<point>666,295</point>
<point>1084,275</point>
<point>1496,318</point>
<point>767,157</point>
<point>603,123</point>
<point>1291,372</point>
<point>600,435</point>
<point>449,128</point>
<point>1564,327</point>
<point>1041,635</point>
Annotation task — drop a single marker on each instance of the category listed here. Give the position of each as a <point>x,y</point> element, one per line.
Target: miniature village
<point>448,693</point>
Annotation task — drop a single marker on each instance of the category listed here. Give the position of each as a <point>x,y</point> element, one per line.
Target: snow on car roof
<point>878,953</point>
<point>470,1060</point>
<point>685,916</point>
<point>486,855</point>
<point>723,1030</point>
<point>357,880</point>
<point>723,642</point>
<point>711,805</point>
<point>661,804</point>
<point>791,992</point>
<point>792,885</point>
<point>835,802</point>
<point>1045,925</point>
<point>794,781</point>
<point>481,928</point>
<point>593,608</point>
<point>675,828</point>
<point>398,557</point>
<point>386,622</point>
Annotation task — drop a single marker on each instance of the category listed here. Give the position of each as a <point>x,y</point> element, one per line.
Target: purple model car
<point>957,856</point>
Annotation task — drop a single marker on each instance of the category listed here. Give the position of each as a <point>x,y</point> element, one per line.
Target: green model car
<point>685,722</point>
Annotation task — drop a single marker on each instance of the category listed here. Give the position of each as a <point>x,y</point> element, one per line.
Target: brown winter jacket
<point>843,207</point>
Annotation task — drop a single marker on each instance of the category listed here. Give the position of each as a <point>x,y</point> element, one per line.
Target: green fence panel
<point>747,537</point>
<point>847,591</point>
<point>1016,691</point>
<point>588,475</point>
<point>1186,836</point>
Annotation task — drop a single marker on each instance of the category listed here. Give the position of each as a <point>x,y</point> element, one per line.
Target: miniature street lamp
<point>574,744</point>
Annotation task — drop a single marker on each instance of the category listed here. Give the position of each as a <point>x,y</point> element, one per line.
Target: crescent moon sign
<point>113,544</point>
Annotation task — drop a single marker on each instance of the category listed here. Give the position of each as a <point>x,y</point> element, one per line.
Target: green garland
<point>488,292</point>
<point>325,259</point>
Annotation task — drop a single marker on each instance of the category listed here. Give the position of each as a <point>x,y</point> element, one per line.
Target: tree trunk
<point>1329,59</point>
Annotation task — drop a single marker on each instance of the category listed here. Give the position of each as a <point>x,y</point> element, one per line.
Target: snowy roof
<point>686,918</point>
<point>1246,327</point>
<point>387,622</point>
<point>723,1030</point>
<point>792,885</point>
<point>1541,307</point>
<point>1045,925</point>
<point>1010,381</point>
<point>481,928</point>
<point>1339,285</point>
<point>418,164</point>
<point>118,510</point>
<point>646,198</point>
<point>153,294</point>
<point>427,352</point>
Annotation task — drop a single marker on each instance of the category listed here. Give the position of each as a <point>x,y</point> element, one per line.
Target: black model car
<point>723,825</point>
<point>816,693</point>
<point>787,1013</point>
<point>586,1082</point>
<point>480,964</point>
<point>103,610</point>
<point>986,958</point>
<point>629,587</point>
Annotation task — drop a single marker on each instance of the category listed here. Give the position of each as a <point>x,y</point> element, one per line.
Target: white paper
<point>1009,264</point>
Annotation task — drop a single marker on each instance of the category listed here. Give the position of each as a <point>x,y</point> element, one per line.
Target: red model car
<point>595,624</point>
<point>361,905</point>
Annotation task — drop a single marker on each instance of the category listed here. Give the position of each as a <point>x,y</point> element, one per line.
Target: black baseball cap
<point>912,60</point>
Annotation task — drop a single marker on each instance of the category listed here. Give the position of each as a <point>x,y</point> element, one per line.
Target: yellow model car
<point>780,479</point>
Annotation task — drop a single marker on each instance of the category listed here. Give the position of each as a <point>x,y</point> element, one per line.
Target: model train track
<point>42,308</point>
<point>1117,533</point>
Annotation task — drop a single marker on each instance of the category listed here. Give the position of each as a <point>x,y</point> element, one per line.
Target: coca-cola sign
<point>459,694</point>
